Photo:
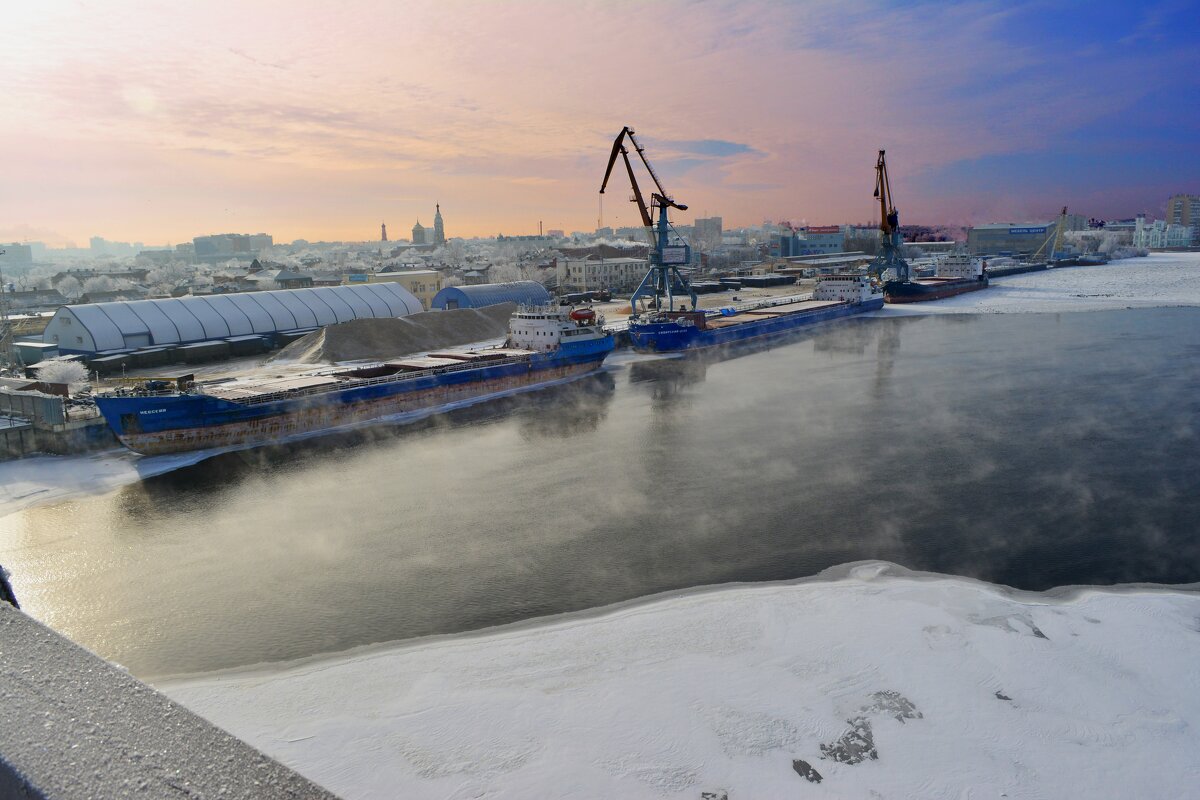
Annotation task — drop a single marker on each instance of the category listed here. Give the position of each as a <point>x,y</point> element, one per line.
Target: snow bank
<point>870,680</point>
<point>1156,281</point>
<point>36,480</point>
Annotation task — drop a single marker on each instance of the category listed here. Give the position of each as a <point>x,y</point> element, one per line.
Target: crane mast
<point>889,226</point>
<point>1057,237</point>
<point>665,258</point>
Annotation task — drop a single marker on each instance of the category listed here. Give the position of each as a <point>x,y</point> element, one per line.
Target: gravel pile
<point>385,338</point>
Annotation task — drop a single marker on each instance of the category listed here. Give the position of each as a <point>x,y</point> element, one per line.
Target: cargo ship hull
<point>930,289</point>
<point>682,332</point>
<point>172,422</point>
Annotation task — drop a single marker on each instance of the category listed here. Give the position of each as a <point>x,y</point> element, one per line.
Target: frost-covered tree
<point>505,273</point>
<point>456,251</point>
<point>72,373</point>
<point>70,287</point>
<point>100,283</point>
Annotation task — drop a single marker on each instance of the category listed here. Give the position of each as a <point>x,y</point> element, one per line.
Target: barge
<point>545,345</point>
<point>675,331</point>
<point>956,274</point>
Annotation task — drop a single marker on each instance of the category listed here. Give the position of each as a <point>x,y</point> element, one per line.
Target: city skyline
<point>165,123</point>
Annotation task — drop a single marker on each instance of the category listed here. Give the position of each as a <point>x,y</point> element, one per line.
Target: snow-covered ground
<point>866,681</point>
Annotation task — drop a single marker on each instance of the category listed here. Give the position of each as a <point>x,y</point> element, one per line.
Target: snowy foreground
<point>866,681</point>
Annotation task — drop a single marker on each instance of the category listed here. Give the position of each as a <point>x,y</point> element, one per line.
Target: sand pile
<point>385,338</point>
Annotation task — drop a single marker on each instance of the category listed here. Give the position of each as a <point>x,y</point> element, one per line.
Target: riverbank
<point>867,678</point>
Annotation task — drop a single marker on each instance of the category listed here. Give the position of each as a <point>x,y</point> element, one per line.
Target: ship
<point>1081,260</point>
<point>675,331</point>
<point>545,345</point>
<point>955,274</point>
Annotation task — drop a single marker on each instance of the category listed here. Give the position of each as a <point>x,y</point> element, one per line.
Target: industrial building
<point>1184,209</point>
<point>1161,234</point>
<point>820,240</point>
<point>490,294</point>
<point>1006,238</point>
<point>423,283</point>
<point>99,327</point>
<point>224,246</point>
<point>589,274</point>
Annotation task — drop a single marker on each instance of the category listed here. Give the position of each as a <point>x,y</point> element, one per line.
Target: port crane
<point>664,275</point>
<point>889,225</point>
<point>1057,237</point>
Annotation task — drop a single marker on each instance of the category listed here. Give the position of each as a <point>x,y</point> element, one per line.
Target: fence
<point>43,409</point>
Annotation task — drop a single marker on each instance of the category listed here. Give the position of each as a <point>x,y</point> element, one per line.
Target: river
<point>1033,450</point>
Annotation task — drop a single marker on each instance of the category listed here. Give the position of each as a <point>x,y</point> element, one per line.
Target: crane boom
<point>663,275</point>
<point>1057,237</point>
<point>889,225</point>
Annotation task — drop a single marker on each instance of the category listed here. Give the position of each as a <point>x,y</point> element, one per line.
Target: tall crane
<point>889,225</point>
<point>665,258</point>
<point>1057,237</point>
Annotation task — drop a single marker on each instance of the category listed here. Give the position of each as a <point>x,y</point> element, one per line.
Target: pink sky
<point>163,121</point>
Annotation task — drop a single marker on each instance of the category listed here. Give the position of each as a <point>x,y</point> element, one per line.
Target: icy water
<point>1032,450</point>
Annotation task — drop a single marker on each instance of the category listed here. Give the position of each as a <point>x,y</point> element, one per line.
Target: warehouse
<point>529,293</point>
<point>98,327</point>
<point>1009,239</point>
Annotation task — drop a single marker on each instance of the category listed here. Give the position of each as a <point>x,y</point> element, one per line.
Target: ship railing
<point>356,383</point>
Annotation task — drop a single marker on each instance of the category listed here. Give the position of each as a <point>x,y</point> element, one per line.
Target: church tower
<point>439,232</point>
<point>418,233</point>
<point>383,231</point>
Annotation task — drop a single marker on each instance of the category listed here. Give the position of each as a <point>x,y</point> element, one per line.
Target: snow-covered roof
<point>113,326</point>
<point>490,294</point>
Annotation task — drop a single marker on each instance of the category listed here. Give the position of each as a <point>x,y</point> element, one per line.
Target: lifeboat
<point>583,315</point>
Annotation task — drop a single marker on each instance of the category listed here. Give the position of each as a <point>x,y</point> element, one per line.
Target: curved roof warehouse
<point>95,327</point>
<point>490,294</point>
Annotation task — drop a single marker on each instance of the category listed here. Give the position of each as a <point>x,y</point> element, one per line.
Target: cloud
<point>749,109</point>
<point>715,148</point>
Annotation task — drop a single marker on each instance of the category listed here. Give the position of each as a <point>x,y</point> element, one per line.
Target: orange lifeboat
<point>583,315</point>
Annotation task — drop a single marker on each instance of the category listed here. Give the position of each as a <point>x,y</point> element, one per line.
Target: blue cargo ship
<point>545,345</point>
<point>675,331</point>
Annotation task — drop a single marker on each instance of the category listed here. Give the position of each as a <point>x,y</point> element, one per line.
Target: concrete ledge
<point>74,726</point>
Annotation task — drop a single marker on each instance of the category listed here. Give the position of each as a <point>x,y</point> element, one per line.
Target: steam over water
<point>1033,450</point>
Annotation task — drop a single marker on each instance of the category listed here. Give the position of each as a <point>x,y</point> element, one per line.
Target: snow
<point>1156,281</point>
<point>38,480</point>
<point>866,681</point>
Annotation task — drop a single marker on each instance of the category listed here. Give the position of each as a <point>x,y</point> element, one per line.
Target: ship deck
<point>263,389</point>
<point>742,317</point>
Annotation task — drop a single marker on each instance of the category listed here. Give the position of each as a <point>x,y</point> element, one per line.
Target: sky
<point>159,121</point>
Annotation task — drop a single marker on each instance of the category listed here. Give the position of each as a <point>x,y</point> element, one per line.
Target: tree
<point>102,283</point>
<point>70,287</point>
<point>72,373</point>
